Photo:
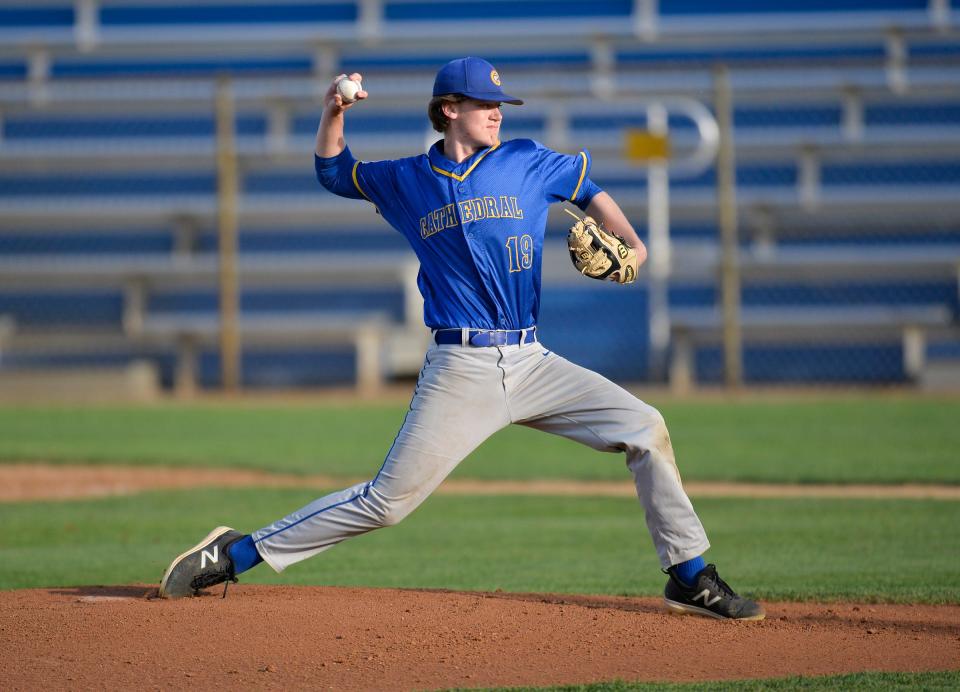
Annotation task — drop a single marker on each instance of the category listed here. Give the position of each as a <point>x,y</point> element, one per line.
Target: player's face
<point>477,123</point>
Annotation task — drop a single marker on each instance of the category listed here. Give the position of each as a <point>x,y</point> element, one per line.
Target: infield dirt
<point>269,637</point>
<point>34,481</point>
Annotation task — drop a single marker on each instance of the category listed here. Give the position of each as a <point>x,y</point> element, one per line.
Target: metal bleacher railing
<point>846,124</point>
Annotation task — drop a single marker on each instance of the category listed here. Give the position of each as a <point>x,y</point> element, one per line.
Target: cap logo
<point>494,77</point>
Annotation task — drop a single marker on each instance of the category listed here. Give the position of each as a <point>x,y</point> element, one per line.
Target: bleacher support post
<point>808,177</point>
<point>326,62</point>
<point>939,14</point>
<point>896,63</point>
<point>369,361</point>
<point>412,299</point>
<point>185,375</point>
<point>39,66</point>
<point>7,329</point>
<point>185,236</point>
<point>558,127</point>
<point>658,226</point>
<point>370,21</point>
<point>646,14</point>
<point>914,352</point>
<point>603,63</point>
<point>227,234</point>
<point>852,122</point>
<point>278,127</point>
<point>134,305</point>
<point>86,28</point>
<point>682,365</point>
<point>727,211</point>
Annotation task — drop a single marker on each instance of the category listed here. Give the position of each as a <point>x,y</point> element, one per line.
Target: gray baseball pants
<point>463,396</point>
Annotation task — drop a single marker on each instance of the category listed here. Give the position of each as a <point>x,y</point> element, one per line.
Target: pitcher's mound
<point>373,639</point>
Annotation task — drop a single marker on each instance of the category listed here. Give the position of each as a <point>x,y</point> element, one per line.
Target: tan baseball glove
<point>599,254</point>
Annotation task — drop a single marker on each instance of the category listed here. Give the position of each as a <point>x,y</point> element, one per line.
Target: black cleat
<point>711,596</point>
<point>205,564</point>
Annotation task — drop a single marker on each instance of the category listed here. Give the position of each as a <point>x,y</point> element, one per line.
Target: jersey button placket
<point>461,189</point>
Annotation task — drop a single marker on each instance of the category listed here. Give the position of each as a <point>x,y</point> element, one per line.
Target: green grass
<point>944,680</point>
<point>872,550</point>
<point>851,438</point>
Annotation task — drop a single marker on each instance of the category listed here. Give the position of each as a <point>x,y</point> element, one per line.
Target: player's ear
<point>450,109</point>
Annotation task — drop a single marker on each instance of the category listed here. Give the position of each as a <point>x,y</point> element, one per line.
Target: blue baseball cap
<point>474,78</point>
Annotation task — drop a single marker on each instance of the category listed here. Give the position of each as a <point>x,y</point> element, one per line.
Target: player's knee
<point>392,512</point>
<point>651,433</point>
<point>659,435</point>
<point>392,517</point>
<point>658,424</point>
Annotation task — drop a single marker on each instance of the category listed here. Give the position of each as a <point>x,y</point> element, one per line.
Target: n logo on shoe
<point>214,557</point>
<point>705,595</point>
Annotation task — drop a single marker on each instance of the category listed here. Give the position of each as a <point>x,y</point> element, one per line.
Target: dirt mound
<point>362,639</point>
<point>35,481</point>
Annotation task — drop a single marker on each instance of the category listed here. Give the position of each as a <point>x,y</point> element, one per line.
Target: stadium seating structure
<point>847,146</point>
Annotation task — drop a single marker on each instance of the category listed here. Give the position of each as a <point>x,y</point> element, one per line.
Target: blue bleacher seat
<point>93,242</point>
<point>15,70</point>
<point>706,7</point>
<point>653,57</point>
<point>809,364</point>
<point>178,67</point>
<point>117,14</point>
<point>558,58</point>
<point>27,17</point>
<point>107,185</point>
<point>913,173</point>
<point>59,127</point>
<point>279,301</point>
<point>913,114</point>
<point>62,307</point>
<point>505,10</point>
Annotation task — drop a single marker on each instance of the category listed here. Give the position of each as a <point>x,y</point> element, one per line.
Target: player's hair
<point>438,118</point>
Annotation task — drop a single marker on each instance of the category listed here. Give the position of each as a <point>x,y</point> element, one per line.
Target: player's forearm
<point>330,141</point>
<point>603,208</point>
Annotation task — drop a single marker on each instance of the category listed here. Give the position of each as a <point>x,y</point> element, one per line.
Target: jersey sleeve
<point>565,176</point>
<point>345,176</point>
<point>336,174</point>
<point>588,191</point>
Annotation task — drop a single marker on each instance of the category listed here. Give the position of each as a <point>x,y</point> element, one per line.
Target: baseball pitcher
<point>474,210</point>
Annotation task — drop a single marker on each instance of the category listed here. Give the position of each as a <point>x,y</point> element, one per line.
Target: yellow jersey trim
<point>583,174</point>
<point>461,178</point>
<point>357,182</point>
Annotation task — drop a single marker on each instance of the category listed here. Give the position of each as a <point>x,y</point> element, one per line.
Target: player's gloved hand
<point>334,102</point>
<point>599,254</point>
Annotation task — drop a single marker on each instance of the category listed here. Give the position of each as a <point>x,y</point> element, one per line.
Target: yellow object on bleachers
<point>643,145</point>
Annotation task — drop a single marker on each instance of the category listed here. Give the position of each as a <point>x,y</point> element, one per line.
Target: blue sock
<point>688,571</point>
<point>244,555</point>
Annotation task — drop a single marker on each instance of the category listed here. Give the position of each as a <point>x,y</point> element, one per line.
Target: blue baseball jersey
<point>477,227</point>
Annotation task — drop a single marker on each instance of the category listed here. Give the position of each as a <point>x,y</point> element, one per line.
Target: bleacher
<point>847,134</point>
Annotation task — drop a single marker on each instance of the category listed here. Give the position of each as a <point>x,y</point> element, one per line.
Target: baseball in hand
<point>347,88</point>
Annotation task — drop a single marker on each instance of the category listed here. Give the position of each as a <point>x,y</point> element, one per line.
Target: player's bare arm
<point>604,209</point>
<point>330,141</point>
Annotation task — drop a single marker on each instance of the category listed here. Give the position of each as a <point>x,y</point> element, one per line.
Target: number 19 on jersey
<point>520,251</point>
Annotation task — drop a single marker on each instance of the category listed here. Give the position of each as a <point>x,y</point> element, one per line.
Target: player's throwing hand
<point>334,101</point>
